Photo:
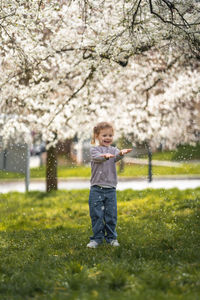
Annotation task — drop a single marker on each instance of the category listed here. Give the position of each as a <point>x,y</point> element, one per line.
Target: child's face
<point>105,137</point>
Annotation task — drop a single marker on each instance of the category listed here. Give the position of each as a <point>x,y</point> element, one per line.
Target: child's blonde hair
<point>98,128</point>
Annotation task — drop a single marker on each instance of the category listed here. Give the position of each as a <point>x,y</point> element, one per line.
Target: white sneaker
<point>114,243</point>
<point>92,244</point>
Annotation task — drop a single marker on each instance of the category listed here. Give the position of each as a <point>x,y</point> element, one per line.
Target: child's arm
<point>98,157</point>
<point>107,155</point>
<point>124,151</point>
<point>121,153</point>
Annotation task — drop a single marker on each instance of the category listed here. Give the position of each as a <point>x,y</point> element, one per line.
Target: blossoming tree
<point>153,100</point>
<point>52,50</point>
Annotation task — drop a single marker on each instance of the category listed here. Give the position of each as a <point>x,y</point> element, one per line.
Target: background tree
<point>154,100</point>
<point>51,50</point>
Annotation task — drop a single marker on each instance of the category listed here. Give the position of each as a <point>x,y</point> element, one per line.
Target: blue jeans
<point>103,213</point>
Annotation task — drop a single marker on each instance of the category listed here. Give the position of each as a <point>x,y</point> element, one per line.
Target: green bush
<point>186,152</point>
<point>182,153</point>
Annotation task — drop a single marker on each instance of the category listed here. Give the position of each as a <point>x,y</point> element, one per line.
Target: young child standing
<point>102,199</point>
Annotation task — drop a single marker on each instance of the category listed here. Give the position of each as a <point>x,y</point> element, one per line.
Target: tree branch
<point>167,21</point>
<point>89,76</point>
<point>135,15</point>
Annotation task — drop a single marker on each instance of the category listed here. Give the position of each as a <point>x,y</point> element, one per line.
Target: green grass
<point>65,171</point>
<point>166,155</point>
<point>43,253</point>
<point>142,170</point>
<point>129,171</point>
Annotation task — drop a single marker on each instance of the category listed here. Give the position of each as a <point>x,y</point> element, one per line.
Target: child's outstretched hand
<point>107,155</point>
<point>125,151</point>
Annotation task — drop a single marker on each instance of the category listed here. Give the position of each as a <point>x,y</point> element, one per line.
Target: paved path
<point>136,184</point>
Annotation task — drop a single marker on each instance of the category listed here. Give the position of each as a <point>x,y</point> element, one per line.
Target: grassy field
<point>129,171</point>
<point>182,153</point>
<point>44,255</point>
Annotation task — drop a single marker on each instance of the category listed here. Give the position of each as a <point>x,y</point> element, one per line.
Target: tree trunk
<point>51,169</point>
<point>121,166</point>
<point>150,163</point>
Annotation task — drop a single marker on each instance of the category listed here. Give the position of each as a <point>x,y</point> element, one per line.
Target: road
<point>136,184</point>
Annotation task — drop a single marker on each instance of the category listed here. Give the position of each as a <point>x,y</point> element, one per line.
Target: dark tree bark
<point>51,170</point>
<point>121,166</point>
<point>150,174</point>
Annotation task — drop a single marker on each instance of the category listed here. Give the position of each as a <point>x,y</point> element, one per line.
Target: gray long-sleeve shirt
<point>104,170</point>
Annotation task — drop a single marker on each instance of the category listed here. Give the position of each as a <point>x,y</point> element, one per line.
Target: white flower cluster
<point>60,64</point>
<point>155,100</point>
